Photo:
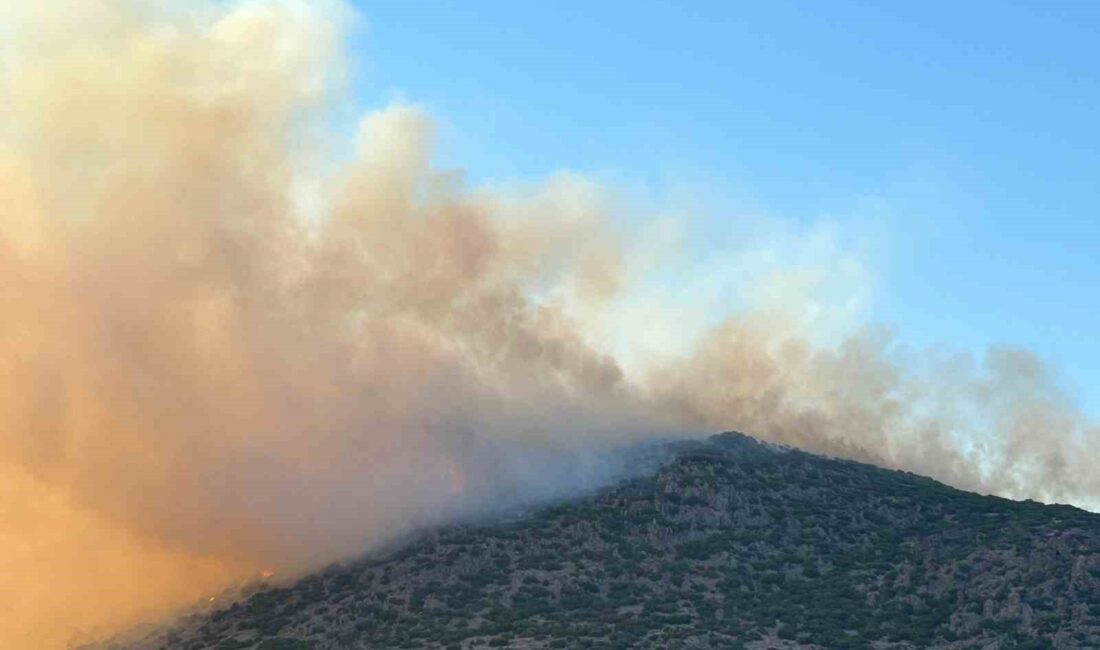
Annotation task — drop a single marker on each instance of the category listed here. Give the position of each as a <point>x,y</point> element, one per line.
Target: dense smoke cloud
<point>223,349</point>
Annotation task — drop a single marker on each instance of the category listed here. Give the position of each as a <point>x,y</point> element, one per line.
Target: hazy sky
<point>959,139</point>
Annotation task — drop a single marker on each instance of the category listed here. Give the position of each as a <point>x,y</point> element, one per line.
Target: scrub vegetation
<point>729,543</point>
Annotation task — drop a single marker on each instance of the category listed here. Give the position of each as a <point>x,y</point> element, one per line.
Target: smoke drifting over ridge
<point>222,349</point>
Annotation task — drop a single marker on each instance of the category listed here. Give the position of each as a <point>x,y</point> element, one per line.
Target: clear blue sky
<point>969,129</point>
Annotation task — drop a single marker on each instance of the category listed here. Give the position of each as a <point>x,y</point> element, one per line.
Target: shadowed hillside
<point>730,543</point>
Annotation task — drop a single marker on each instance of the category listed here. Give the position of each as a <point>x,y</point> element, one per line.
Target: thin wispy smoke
<point>223,349</point>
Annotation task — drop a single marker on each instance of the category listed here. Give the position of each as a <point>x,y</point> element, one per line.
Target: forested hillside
<point>730,543</point>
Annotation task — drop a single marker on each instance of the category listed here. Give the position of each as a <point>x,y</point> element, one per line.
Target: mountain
<point>727,543</point>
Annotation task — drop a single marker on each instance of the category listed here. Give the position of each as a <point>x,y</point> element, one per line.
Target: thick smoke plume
<point>229,343</point>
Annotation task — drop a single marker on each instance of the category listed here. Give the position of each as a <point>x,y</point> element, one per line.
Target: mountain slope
<point>730,543</point>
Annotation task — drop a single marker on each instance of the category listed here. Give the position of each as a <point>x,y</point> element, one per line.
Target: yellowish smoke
<point>224,348</point>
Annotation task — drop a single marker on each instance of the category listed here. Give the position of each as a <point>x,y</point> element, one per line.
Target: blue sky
<point>963,134</point>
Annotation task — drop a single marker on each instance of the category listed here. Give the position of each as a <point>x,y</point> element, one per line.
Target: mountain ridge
<point>728,542</point>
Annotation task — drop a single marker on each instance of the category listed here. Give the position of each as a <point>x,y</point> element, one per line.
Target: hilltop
<point>727,543</point>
